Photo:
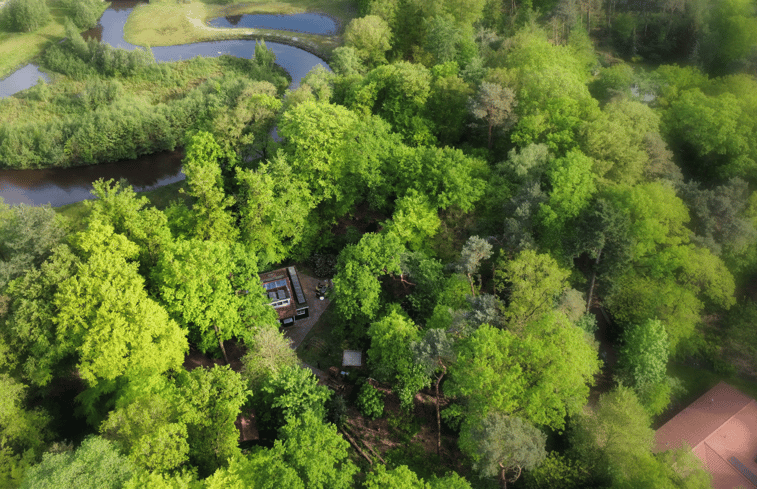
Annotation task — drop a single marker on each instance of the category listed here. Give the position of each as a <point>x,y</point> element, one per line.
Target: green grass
<point>322,346</point>
<point>168,23</point>
<point>18,48</point>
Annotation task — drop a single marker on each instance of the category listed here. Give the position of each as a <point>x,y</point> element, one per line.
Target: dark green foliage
<point>26,15</point>
<point>370,401</point>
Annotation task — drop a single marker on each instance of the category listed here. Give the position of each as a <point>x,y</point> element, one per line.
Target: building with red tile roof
<point>721,428</point>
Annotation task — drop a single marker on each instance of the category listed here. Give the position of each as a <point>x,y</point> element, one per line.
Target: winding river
<point>60,186</point>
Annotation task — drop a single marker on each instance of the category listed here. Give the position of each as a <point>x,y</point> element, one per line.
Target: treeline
<point>102,113</point>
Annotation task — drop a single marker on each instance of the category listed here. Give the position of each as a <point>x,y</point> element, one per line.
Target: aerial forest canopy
<point>535,216</point>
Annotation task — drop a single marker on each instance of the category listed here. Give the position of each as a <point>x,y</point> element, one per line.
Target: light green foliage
<point>202,164</point>
<point>13,467</point>
<point>449,481</point>
<point>317,452</point>
<point>616,140</point>
<point>346,61</point>
<point>499,444</point>
<point>83,13</point>
<point>389,355</point>
<point>495,105</point>
<point>370,401</point>
<point>414,220</point>
<point>398,478</point>
<point>572,186</point>
<point>643,364</point>
<point>28,236</point>
<point>20,428</point>
<point>371,38</point>
<point>261,469</point>
<point>268,351</point>
<point>104,313</point>
<point>441,38</point>
<point>428,276</point>
<point>615,437</point>
<point>550,84</point>
<point>657,216</point>
<point>153,480</point>
<point>532,283</point>
<point>29,329</point>
<point>398,93</point>
<point>96,464</point>
<point>212,399</point>
<point>274,206</point>
<point>263,57</point>
<point>527,376</point>
<point>290,393</point>
<point>147,426</point>
<point>118,205</point>
<point>314,132</point>
<point>357,288</point>
<point>684,468</point>
<point>26,15</point>
<point>612,81</point>
<point>447,176</point>
<point>213,291</point>
<point>557,471</point>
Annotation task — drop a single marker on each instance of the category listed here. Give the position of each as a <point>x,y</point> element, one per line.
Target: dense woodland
<point>478,177</point>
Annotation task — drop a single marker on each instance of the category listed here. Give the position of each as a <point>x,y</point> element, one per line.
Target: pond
<point>60,186</point>
<point>21,79</point>
<point>306,23</point>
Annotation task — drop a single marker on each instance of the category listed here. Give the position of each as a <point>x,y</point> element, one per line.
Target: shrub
<point>26,15</point>
<point>84,13</point>
<point>370,401</point>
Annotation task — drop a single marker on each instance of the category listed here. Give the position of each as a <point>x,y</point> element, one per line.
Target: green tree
<point>435,353</point>
<point>532,283</point>
<point>96,464</point>
<point>105,314</point>
<point>558,471</point>
<point>290,393</point>
<point>389,355</point>
<point>500,444</point>
<point>495,105</point>
<point>213,399</point>
<point>371,37</point>
<point>643,364</point>
<point>317,452</point>
<point>473,253</point>
<point>156,480</point>
<point>118,205</point>
<point>261,469</point>
<point>399,477</point>
<point>528,376</point>
<point>274,206</point>
<point>414,220</point>
<point>26,15</point>
<point>210,218</point>
<point>213,291</point>
<point>28,236</point>
<point>21,428</point>
<point>268,351</point>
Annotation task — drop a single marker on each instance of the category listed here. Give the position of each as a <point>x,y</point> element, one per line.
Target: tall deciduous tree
<point>532,283</point>
<point>211,218</point>
<point>268,351</point>
<point>105,314</point>
<point>213,290</point>
<point>500,444</point>
<point>495,105</point>
<point>371,37</point>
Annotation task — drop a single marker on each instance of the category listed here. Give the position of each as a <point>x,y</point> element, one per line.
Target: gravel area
<point>301,328</point>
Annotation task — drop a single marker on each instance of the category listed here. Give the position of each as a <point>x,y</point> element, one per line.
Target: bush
<point>84,13</point>
<point>26,15</point>
<point>370,401</point>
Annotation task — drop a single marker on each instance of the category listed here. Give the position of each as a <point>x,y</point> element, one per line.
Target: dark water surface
<point>60,186</point>
<point>306,23</point>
